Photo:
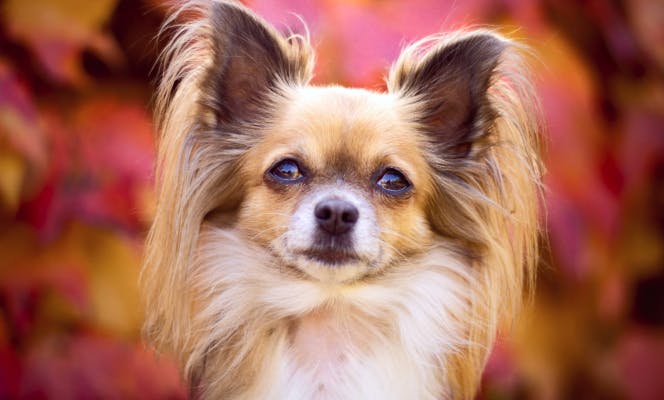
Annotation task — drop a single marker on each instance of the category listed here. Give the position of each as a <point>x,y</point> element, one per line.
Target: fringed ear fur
<point>478,116</point>
<point>251,60</point>
<point>222,72</point>
<point>479,122</point>
<point>450,81</point>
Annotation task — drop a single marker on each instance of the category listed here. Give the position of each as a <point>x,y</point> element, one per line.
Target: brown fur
<point>224,293</point>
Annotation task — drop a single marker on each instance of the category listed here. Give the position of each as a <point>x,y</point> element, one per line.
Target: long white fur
<point>392,333</point>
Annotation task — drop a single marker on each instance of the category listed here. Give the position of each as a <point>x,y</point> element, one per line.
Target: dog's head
<point>340,183</point>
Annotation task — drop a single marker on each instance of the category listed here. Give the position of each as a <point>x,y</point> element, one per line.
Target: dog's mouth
<point>331,256</point>
<point>332,264</point>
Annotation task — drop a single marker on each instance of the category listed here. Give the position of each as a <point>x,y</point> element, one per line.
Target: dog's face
<point>337,186</point>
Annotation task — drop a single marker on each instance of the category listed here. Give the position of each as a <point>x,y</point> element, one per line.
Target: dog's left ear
<point>447,79</point>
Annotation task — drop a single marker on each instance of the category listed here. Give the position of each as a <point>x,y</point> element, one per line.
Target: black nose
<point>336,216</point>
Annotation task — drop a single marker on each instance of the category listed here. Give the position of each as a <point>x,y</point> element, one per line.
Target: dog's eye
<point>286,171</point>
<point>393,182</point>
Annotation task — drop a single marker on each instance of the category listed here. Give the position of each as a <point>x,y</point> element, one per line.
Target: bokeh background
<point>76,156</point>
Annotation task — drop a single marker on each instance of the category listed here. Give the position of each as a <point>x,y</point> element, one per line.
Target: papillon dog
<point>322,242</point>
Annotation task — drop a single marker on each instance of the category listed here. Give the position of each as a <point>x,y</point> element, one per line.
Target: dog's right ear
<point>251,59</point>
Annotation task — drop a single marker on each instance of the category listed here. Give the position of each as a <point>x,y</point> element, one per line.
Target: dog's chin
<point>331,265</point>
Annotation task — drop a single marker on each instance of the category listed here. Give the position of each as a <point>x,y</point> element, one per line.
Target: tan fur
<point>243,316</point>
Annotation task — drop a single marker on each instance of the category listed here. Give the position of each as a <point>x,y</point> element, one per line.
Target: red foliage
<point>76,154</point>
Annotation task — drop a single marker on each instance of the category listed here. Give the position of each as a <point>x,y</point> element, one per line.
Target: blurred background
<point>76,154</point>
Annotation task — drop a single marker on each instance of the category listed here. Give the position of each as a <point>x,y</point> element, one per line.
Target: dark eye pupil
<point>287,170</point>
<point>393,181</point>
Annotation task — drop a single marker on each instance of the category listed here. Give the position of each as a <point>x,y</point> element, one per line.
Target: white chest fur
<point>278,337</point>
<point>331,355</point>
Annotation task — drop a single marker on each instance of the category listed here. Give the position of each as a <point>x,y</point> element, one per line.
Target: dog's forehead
<point>346,126</point>
<point>342,112</point>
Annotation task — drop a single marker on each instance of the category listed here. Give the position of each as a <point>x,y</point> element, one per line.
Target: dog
<point>321,242</point>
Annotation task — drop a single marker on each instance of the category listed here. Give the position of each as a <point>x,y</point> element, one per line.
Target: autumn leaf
<point>92,365</point>
<point>22,146</point>
<point>57,31</point>
<point>99,169</point>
